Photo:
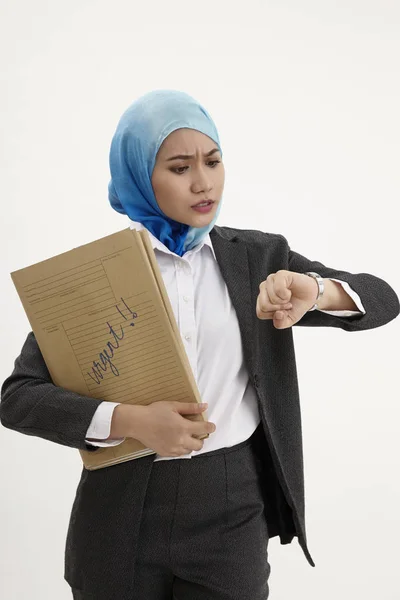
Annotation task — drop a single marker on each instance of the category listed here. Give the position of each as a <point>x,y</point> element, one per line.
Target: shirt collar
<point>155,242</point>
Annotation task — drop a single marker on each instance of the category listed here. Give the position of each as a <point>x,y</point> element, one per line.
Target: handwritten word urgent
<point>101,366</point>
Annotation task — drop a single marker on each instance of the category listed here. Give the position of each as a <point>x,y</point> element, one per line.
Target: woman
<point>196,529</point>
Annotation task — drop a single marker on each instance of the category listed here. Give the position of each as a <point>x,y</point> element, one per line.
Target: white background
<point>306,98</point>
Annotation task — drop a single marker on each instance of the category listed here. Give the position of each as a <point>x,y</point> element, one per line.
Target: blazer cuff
<point>354,296</point>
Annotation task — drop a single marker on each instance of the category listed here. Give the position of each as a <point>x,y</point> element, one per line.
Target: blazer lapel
<point>233,261</point>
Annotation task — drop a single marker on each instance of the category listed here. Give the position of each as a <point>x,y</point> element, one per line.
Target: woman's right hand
<point>162,427</point>
<point>166,431</point>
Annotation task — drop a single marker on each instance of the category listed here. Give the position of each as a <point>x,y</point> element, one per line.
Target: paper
<point>104,324</point>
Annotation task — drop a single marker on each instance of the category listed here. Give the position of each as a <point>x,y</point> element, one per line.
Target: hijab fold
<point>140,132</point>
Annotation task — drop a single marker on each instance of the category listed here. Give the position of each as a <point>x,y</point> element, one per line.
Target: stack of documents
<point>104,324</point>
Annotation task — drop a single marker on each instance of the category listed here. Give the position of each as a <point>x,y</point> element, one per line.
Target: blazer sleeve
<point>380,301</point>
<point>32,404</point>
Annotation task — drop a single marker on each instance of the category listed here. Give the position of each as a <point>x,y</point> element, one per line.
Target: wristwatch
<point>321,286</point>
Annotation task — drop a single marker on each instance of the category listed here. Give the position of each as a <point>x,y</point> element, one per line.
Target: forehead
<point>185,141</point>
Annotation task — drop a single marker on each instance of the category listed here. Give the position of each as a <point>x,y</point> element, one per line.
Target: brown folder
<point>105,326</point>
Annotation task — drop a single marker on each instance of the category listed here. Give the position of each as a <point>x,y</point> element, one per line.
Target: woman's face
<point>197,174</point>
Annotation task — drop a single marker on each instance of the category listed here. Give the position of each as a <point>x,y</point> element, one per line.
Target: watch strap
<point>321,287</point>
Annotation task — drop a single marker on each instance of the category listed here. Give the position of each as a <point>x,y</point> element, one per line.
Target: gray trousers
<point>203,533</point>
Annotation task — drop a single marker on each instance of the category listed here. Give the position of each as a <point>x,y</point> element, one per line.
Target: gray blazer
<point>106,513</point>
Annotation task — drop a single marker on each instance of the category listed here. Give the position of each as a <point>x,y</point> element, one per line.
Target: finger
<point>278,291</point>
<point>268,297</point>
<point>271,315</point>
<point>200,427</point>
<point>190,407</point>
<point>283,320</point>
<point>266,303</point>
<point>266,314</point>
<point>271,308</point>
<point>265,308</point>
<point>193,444</point>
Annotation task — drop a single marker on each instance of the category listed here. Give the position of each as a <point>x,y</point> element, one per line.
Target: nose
<point>202,182</point>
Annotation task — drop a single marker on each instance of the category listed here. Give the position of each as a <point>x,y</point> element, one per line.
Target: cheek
<point>220,178</point>
<point>160,186</point>
<point>157,182</point>
<point>168,191</point>
<point>172,186</point>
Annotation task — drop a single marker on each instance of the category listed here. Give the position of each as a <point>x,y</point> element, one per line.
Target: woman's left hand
<point>285,297</point>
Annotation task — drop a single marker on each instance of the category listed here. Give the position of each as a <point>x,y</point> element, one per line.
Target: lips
<point>204,202</point>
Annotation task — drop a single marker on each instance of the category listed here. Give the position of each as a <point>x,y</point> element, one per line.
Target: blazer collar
<point>233,260</point>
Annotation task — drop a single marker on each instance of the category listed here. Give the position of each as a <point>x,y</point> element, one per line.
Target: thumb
<point>190,407</point>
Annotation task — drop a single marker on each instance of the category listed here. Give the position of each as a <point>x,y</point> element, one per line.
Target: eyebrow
<point>186,156</point>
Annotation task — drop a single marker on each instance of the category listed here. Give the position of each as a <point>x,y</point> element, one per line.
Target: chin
<point>199,220</point>
<point>203,221</point>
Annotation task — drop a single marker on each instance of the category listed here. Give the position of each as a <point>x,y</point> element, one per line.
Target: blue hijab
<point>140,132</point>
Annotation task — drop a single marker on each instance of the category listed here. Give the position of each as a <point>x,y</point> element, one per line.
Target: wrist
<point>126,421</point>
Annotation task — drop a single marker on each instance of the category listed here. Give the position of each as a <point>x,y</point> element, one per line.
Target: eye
<point>178,171</point>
